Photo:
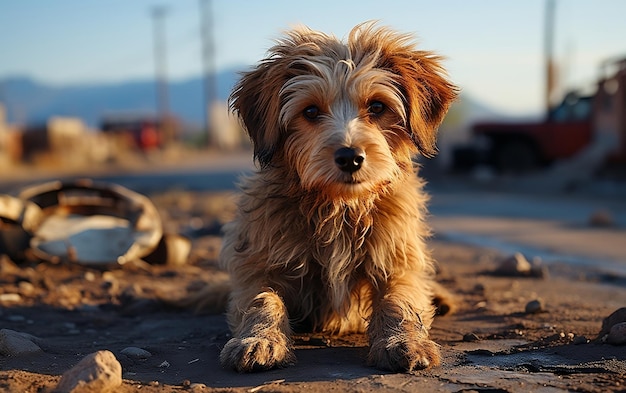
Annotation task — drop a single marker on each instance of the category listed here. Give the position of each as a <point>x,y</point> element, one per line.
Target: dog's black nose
<point>349,159</point>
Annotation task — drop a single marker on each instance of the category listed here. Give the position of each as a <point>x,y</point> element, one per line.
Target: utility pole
<point>549,54</point>
<point>208,62</point>
<point>162,98</point>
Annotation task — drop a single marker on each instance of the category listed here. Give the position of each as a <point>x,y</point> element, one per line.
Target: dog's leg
<point>398,328</point>
<point>261,337</point>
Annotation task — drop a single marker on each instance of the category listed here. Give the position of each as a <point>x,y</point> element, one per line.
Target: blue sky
<point>494,47</point>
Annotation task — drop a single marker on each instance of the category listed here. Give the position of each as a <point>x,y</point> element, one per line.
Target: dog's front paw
<point>256,354</point>
<point>404,353</point>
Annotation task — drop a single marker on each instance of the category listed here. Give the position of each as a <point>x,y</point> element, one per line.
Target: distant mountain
<point>30,101</point>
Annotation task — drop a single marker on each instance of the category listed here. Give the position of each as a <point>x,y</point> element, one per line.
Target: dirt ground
<point>490,344</point>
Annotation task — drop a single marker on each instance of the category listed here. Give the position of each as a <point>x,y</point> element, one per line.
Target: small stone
<point>136,353</point>
<point>617,334</point>
<point>481,306</point>
<point>534,306</point>
<point>578,340</point>
<point>470,337</point>
<point>10,298</point>
<point>25,288</point>
<point>14,343</point>
<point>96,372</point>
<point>514,265</point>
<point>601,218</point>
<point>538,269</point>
<point>616,317</point>
<point>197,387</point>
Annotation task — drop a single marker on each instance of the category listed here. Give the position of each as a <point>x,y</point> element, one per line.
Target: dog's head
<point>345,115</point>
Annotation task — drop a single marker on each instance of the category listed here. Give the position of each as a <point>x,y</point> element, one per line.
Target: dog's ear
<point>427,93</point>
<point>255,99</point>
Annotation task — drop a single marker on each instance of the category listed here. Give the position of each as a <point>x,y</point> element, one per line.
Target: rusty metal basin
<point>92,223</point>
<point>18,221</point>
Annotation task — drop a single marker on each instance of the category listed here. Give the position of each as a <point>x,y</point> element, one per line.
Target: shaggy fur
<point>326,242</point>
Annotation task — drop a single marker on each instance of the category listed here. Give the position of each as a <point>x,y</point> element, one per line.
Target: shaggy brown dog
<point>330,231</point>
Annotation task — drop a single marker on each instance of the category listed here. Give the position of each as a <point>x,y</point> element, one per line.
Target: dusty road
<point>491,344</point>
<point>554,227</point>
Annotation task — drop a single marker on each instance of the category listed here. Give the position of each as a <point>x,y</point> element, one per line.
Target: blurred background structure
<point>100,83</point>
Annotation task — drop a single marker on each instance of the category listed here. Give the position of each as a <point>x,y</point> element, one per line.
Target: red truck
<point>570,127</point>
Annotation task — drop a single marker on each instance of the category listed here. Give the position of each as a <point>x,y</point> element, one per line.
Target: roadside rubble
<point>99,372</point>
<point>14,343</point>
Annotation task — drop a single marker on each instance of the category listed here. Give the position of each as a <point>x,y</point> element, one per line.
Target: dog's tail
<point>209,298</point>
<point>445,302</point>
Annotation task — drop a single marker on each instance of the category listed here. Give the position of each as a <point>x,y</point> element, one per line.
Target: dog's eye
<point>311,112</point>
<point>376,107</point>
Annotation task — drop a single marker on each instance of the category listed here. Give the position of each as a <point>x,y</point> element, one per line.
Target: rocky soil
<point>519,326</point>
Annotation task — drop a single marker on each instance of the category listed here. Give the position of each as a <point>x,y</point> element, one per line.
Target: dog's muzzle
<point>349,159</point>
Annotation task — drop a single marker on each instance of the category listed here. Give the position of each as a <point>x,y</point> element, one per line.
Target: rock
<point>534,306</point>
<point>538,269</point>
<point>197,387</point>
<point>517,265</point>
<point>136,353</point>
<point>99,372</point>
<point>26,288</point>
<point>514,265</point>
<point>479,288</point>
<point>618,316</point>
<point>601,218</point>
<point>470,337</point>
<point>14,343</point>
<point>481,306</point>
<point>617,334</point>
<point>10,298</point>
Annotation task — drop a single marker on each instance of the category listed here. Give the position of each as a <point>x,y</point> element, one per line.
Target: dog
<point>330,231</point>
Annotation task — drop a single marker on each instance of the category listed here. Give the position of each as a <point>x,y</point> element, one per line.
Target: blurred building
<point>60,140</point>
<point>226,132</point>
<point>59,135</point>
<point>141,132</point>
